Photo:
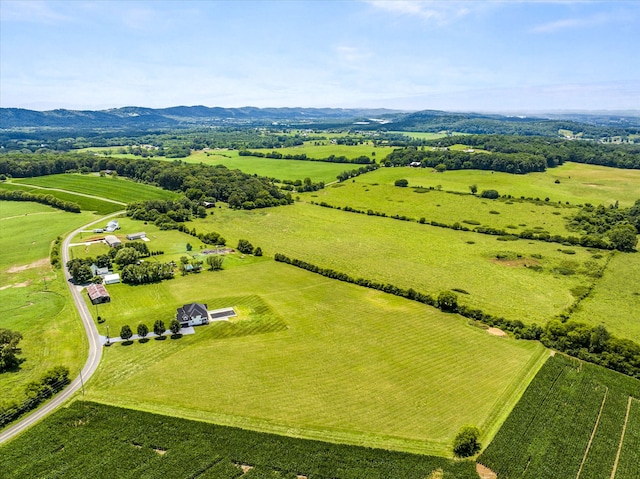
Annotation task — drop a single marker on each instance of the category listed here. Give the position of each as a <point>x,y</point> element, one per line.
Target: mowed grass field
<point>579,183</point>
<point>345,364</point>
<point>513,216</point>
<point>118,189</point>
<point>86,203</point>
<point>615,301</point>
<point>422,257</point>
<point>34,299</point>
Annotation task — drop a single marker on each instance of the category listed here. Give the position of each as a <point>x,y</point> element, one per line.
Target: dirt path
<point>624,430</point>
<point>35,264</point>
<point>484,472</point>
<point>593,433</point>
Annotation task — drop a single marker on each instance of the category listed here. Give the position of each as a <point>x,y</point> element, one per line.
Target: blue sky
<point>505,56</point>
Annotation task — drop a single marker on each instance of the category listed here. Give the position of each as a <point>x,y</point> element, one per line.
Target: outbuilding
<point>136,236</point>
<point>111,278</point>
<point>112,241</point>
<point>98,294</point>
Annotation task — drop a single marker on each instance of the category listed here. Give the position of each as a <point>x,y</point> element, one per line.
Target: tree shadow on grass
<point>127,343</point>
<point>176,336</point>
<point>160,338</point>
<point>143,340</point>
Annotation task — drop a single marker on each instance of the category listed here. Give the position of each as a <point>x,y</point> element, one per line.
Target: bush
<point>448,301</point>
<point>245,247</point>
<point>466,442</point>
<point>402,183</point>
<point>490,194</point>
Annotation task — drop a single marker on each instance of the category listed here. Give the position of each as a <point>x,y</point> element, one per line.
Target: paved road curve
<point>95,348</point>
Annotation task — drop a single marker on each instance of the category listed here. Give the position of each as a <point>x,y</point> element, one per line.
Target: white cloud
<point>582,22</point>
<point>440,12</point>
<point>35,11</point>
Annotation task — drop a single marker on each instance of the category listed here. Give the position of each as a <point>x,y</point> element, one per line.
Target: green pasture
<point>97,205</point>
<point>114,188</point>
<point>312,357</point>
<point>324,148</point>
<point>570,422</point>
<point>513,216</point>
<point>615,301</point>
<point>272,168</point>
<point>34,298</point>
<point>422,257</point>
<point>579,183</point>
<point>421,135</point>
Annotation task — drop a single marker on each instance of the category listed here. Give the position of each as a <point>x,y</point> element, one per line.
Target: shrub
<point>466,442</point>
<point>244,246</point>
<point>490,194</point>
<point>448,301</point>
<point>402,183</point>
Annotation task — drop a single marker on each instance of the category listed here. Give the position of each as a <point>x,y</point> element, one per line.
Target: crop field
<point>516,279</point>
<point>579,183</point>
<point>615,301</point>
<point>98,441</point>
<point>86,203</point>
<point>574,420</point>
<point>33,297</point>
<point>272,168</point>
<point>513,216</point>
<point>118,189</point>
<point>323,360</point>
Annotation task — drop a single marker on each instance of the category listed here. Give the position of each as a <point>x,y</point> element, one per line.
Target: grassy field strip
<point>629,465</point>
<point>593,433</point>
<point>615,299</point>
<point>86,203</point>
<point>46,188</point>
<point>624,429</point>
<point>33,296</point>
<point>401,366</point>
<point>116,189</point>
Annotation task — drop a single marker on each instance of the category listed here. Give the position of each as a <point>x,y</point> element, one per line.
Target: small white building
<point>111,278</point>
<point>112,226</point>
<point>136,236</point>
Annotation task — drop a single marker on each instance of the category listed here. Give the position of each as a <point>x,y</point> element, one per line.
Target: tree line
<point>589,343</point>
<point>50,200</point>
<point>360,160</point>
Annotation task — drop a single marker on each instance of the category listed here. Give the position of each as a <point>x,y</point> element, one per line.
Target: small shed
<point>98,294</point>
<point>112,241</point>
<point>111,278</point>
<point>112,226</point>
<point>136,236</point>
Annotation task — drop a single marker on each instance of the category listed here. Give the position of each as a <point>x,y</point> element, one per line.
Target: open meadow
<point>579,183</point>
<point>615,301</point>
<point>34,299</point>
<point>527,280</point>
<point>312,357</point>
<point>512,216</point>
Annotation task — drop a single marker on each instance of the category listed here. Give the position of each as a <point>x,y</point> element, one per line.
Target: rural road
<point>95,348</point>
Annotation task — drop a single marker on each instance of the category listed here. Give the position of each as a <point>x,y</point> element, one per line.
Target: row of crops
<point>99,441</point>
<point>570,424</point>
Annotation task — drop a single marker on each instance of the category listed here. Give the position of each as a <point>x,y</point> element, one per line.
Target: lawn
<point>323,360</point>
<point>513,216</point>
<point>579,183</point>
<point>615,301</point>
<point>422,257</point>
<point>118,189</point>
<point>34,298</point>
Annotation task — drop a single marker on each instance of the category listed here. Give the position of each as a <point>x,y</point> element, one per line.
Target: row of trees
<point>345,175</point>
<point>158,329</point>
<point>619,225</point>
<point>146,272</point>
<point>360,160</point>
<point>50,200</point>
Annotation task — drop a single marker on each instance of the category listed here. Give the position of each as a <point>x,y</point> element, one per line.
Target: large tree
<point>125,332</point>
<point>9,349</point>
<point>126,256</point>
<point>466,442</point>
<point>623,237</point>
<point>158,327</point>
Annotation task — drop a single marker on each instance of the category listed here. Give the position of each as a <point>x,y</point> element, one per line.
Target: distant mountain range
<point>593,125</point>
